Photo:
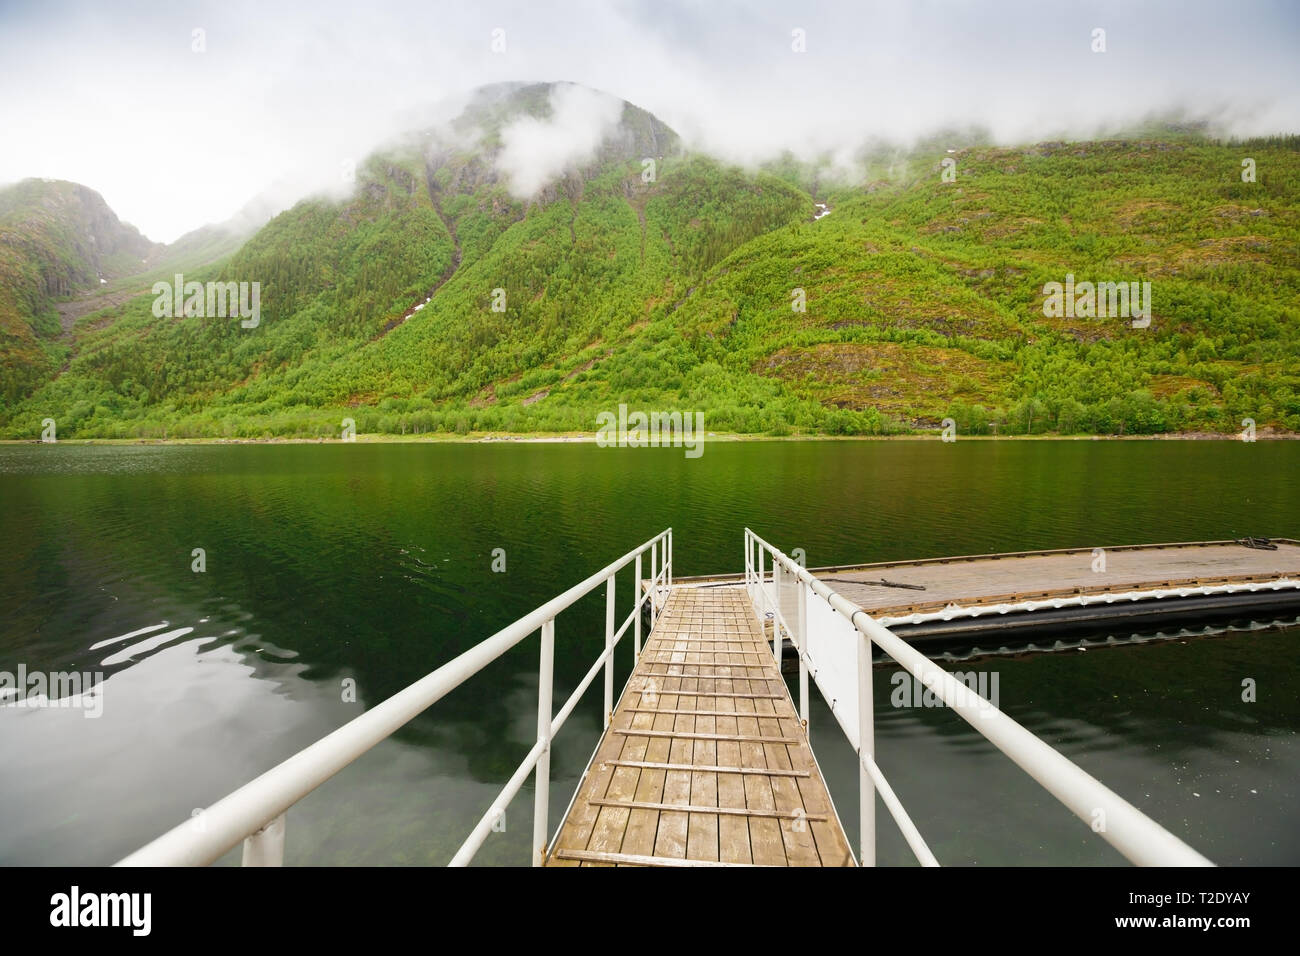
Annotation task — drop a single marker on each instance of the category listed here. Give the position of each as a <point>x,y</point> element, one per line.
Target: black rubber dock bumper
<point>1146,614</point>
<point>1017,628</point>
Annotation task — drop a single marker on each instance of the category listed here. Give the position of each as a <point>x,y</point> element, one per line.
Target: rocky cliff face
<point>69,235</point>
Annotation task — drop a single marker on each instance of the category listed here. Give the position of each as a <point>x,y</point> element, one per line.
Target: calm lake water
<point>373,563</point>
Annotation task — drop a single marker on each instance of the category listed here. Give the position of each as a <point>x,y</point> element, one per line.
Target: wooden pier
<point>705,762</point>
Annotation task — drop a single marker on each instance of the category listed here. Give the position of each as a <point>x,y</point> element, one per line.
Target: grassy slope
<point>923,300</point>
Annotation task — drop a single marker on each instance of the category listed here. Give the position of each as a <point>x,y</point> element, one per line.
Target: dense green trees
<point>711,289</point>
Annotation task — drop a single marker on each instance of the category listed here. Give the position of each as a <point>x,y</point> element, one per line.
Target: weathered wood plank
<point>629,859</point>
<point>706,726</point>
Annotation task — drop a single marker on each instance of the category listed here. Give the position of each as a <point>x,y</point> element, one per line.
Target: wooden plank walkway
<point>705,725</point>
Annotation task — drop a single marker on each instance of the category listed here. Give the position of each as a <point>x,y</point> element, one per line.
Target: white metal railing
<point>255,813</point>
<point>844,636</point>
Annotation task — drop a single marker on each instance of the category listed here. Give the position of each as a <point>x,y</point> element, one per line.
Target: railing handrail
<point>256,809</point>
<point>1135,835</point>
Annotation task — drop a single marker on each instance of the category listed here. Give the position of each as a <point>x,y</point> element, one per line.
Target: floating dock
<point>933,600</point>
<point>705,762</point>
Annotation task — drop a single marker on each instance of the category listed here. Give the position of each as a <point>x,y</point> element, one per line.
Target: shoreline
<point>553,438</point>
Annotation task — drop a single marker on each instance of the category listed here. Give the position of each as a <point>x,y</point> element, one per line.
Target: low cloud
<point>535,151</point>
<point>283,97</point>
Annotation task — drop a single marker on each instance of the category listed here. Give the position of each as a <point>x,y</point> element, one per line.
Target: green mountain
<point>552,253</point>
<point>58,241</point>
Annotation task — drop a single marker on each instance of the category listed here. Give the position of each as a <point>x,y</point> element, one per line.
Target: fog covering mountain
<point>553,251</point>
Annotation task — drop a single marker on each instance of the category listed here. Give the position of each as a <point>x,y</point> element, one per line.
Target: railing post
<point>777,641</point>
<point>609,645</point>
<point>866,748</point>
<point>749,558</point>
<point>636,623</point>
<point>801,618</point>
<point>654,582</point>
<point>266,846</point>
<point>762,589</point>
<point>668,574</point>
<point>542,792</point>
<point>748,590</point>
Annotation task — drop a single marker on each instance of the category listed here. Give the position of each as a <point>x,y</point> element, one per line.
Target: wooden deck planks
<point>969,580</point>
<point>707,643</point>
<point>996,579</point>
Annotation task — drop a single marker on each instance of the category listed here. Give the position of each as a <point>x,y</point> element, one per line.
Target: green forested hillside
<point>57,239</point>
<point>924,298</point>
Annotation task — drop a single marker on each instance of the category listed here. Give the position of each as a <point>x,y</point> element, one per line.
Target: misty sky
<point>113,95</point>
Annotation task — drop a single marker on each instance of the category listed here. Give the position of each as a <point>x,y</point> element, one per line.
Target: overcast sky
<point>114,95</point>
